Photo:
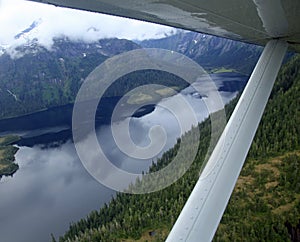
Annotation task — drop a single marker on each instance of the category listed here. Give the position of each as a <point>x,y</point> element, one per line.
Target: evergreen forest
<point>265,204</point>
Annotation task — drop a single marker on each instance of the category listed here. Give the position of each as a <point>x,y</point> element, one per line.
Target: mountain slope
<point>34,78</point>
<point>209,51</point>
<point>265,204</point>
<point>41,78</point>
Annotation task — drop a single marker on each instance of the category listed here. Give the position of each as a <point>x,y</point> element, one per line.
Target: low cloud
<point>17,15</point>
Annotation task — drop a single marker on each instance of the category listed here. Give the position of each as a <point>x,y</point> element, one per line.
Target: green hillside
<point>38,78</point>
<point>41,79</point>
<point>265,205</point>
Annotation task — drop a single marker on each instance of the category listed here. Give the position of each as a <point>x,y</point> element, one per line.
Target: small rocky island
<point>7,155</point>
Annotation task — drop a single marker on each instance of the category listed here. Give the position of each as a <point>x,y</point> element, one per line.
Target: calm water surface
<point>52,188</point>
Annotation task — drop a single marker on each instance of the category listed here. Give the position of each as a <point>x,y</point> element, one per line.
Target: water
<point>52,188</point>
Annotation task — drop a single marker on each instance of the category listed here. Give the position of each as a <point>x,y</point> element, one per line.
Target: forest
<point>42,79</point>
<point>7,153</point>
<point>265,204</point>
<point>39,78</point>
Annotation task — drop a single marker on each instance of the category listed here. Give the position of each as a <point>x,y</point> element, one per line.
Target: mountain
<point>209,51</point>
<point>40,78</point>
<point>265,204</point>
<point>33,77</point>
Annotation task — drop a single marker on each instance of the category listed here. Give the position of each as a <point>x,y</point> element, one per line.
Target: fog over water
<point>52,188</point>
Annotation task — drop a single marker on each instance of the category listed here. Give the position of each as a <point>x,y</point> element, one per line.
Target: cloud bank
<point>17,15</point>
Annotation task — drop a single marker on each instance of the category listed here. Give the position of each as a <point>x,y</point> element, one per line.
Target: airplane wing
<point>273,23</point>
<point>252,21</point>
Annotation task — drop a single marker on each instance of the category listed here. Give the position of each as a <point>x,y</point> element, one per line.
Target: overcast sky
<point>17,15</point>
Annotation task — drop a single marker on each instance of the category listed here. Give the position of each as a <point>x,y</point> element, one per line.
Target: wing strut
<point>202,212</point>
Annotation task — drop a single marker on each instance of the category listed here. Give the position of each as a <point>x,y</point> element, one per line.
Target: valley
<point>52,189</point>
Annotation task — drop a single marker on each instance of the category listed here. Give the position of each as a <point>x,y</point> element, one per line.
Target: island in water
<point>7,155</point>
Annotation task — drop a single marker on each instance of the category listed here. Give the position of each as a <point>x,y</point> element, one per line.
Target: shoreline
<point>8,167</point>
<point>30,113</point>
<point>217,71</point>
